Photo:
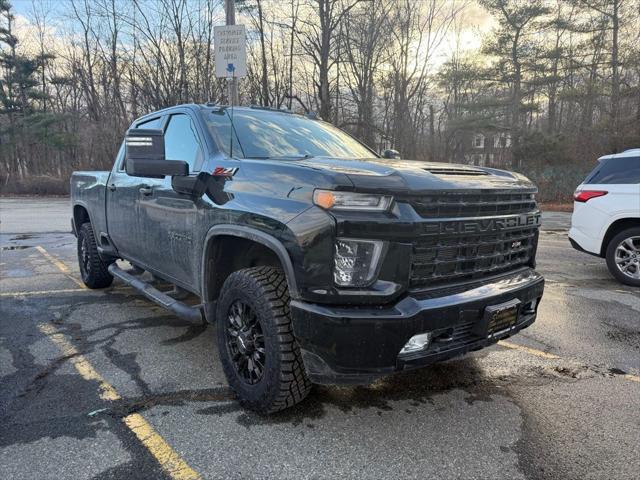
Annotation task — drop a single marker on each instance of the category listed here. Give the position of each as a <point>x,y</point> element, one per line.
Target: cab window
<point>154,123</point>
<point>120,158</point>
<point>181,141</point>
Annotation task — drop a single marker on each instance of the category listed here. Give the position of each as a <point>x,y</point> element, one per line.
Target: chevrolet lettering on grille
<point>483,225</point>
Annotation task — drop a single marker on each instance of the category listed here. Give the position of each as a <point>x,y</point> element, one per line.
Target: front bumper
<point>356,345</point>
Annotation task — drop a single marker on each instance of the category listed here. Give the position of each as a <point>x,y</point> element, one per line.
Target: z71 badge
<point>224,172</point>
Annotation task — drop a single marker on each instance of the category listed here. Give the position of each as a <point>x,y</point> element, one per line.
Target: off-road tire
<point>93,269</point>
<point>611,251</point>
<point>284,381</point>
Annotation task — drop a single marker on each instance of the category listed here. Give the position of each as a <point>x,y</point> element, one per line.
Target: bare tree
<point>561,77</point>
<point>319,41</point>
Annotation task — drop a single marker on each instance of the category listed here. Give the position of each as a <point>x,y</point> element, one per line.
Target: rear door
<point>169,219</point>
<point>123,213</point>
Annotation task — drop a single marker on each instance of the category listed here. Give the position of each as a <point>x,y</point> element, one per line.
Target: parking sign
<point>230,51</point>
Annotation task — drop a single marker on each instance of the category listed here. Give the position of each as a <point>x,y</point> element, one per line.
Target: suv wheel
<point>259,353</point>
<point>93,269</point>
<point>623,256</point>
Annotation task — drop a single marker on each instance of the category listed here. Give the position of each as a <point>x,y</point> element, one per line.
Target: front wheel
<point>623,256</point>
<point>93,269</point>
<point>258,351</point>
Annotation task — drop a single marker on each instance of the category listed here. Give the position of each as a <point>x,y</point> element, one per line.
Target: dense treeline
<point>552,85</point>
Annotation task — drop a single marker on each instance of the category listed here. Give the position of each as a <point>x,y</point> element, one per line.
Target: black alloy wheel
<point>245,342</point>
<point>83,256</point>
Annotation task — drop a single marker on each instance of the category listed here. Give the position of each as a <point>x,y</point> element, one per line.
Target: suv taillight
<point>586,195</point>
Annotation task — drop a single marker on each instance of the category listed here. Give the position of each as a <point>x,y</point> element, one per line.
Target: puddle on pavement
<point>15,247</point>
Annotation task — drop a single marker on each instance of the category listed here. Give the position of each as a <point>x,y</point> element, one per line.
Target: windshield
<point>265,134</point>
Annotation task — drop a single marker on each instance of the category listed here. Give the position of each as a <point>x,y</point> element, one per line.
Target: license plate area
<point>498,319</point>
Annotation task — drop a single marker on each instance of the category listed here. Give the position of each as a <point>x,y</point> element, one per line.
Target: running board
<point>182,310</point>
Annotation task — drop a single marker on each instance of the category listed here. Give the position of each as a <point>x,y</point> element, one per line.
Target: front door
<point>124,225</point>
<point>124,220</point>
<point>169,219</point>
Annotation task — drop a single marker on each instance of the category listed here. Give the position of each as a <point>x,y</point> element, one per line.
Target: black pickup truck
<point>318,260</point>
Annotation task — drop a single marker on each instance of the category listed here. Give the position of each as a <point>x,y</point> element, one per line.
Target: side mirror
<point>391,154</point>
<point>144,155</point>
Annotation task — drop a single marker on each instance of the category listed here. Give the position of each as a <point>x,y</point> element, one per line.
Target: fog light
<point>417,343</point>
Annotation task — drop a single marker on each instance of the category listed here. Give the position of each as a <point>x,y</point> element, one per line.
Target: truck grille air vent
<point>443,259</point>
<point>473,205</point>
<point>467,238</point>
<point>455,171</point>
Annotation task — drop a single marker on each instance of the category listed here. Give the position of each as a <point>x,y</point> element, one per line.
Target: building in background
<point>487,148</point>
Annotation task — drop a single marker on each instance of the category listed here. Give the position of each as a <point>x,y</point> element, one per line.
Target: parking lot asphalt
<point>104,384</point>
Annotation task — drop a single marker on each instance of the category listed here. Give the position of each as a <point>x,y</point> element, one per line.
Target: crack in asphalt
<point>45,372</point>
<point>130,405</point>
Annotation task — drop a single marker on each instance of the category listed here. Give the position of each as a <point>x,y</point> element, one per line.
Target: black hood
<point>412,176</point>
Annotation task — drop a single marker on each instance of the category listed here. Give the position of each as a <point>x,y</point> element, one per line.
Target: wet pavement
<point>78,368</point>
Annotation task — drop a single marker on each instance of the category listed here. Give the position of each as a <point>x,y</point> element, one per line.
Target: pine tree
<point>24,126</point>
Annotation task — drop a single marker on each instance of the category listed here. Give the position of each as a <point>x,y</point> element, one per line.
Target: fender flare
<point>79,203</point>
<point>255,235</point>
<point>111,250</point>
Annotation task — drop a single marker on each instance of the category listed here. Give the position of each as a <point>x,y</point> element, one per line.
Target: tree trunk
<point>324,94</point>
<point>615,78</point>
<point>264,78</point>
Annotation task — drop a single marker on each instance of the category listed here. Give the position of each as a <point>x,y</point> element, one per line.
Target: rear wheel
<point>93,269</point>
<point>259,353</point>
<point>623,256</point>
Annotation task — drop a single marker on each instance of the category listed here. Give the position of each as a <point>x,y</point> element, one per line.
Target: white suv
<point>606,215</point>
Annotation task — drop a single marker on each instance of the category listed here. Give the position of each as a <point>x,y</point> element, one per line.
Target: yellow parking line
<point>169,460</point>
<point>633,378</point>
<point>166,456</point>
<point>41,292</point>
<point>84,368</point>
<point>532,351</point>
<point>119,288</point>
<point>61,266</point>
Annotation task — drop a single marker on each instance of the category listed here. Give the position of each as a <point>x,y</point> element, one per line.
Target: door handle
<point>146,190</point>
<point>112,187</point>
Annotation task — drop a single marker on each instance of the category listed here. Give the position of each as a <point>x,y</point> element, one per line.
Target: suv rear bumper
<point>356,345</point>
<point>584,243</point>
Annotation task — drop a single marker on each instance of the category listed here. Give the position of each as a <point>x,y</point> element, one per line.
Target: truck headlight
<point>356,262</point>
<point>367,202</point>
